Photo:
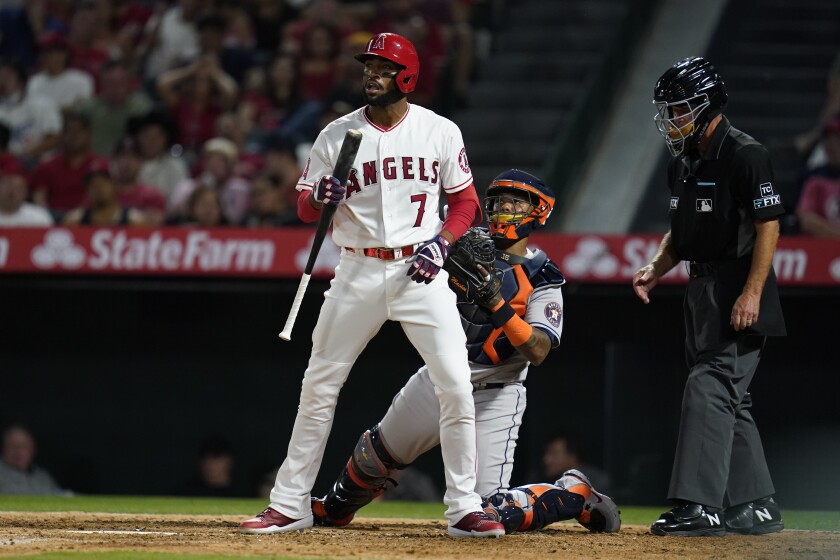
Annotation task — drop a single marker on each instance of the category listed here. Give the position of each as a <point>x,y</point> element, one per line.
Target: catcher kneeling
<point>511,306</point>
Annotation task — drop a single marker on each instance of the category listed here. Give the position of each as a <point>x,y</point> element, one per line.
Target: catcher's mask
<point>509,218</point>
<point>687,97</point>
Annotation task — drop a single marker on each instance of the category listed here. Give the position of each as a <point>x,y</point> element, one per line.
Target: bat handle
<point>293,312</point>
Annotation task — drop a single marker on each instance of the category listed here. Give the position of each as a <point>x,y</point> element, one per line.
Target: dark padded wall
<point>121,379</point>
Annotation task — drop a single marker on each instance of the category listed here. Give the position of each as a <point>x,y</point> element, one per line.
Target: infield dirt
<point>33,533</point>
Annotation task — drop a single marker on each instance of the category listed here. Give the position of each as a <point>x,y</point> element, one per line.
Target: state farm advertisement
<point>164,251</point>
<point>283,253</point>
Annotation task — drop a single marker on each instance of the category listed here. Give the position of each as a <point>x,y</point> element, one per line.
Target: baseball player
<point>511,318</point>
<point>393,247</point>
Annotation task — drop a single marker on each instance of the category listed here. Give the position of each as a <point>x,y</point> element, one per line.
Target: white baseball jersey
<point>393,193</point>
<point>393,196</point>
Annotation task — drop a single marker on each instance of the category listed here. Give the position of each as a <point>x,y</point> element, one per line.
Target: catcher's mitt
<point>471,266</point>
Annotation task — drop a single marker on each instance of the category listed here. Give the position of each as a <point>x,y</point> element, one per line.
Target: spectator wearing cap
<point>218,163</point>
<point>65,86</point>
<point>125,166</point>
<point>162,168</point>
<point>818,210</point>
<point>116,104</point>
<point>58,183</point>
<point>104,208</point>
<point>237,128</point>
<point>14,210</point>
<point>34,121</point>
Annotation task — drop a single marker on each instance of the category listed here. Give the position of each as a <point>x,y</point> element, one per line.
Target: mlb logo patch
<point>674,201</point>
<point>766,189</point>
<point>553,313</point>
<point>704,204</point>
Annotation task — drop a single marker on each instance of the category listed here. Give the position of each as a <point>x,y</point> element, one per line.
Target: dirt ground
<point>32,533</point>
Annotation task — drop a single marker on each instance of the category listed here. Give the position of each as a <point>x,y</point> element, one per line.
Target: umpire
<point>724,220</point>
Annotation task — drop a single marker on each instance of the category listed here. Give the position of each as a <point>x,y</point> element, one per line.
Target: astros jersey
<point>393,193</point>
<point>533,289</point>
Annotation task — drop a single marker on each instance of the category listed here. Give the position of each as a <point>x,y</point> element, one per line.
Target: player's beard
<point>388,98</point>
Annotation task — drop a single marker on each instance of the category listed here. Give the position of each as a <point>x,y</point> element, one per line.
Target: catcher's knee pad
<point>363,478</point>
<point>371,460</point>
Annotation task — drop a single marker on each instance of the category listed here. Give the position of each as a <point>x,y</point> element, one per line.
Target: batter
<point>393,247</point>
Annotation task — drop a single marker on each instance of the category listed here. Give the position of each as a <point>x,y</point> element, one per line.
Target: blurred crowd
<point>818,190</point>
<point>195,112</point>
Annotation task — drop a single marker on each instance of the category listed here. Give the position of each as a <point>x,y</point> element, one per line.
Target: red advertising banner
<point>283,252</point>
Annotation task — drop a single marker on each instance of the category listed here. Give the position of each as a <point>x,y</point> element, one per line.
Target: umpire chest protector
<point>520,277</point>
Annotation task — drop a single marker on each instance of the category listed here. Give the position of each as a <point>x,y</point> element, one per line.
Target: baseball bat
<point>346,157</point>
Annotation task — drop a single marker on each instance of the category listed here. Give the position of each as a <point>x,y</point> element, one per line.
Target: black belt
<point>483,386</point>
<point>698,269</point>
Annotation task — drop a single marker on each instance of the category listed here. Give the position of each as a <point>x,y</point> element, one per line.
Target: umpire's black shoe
<point>690,520</point>
<point>754,518</point>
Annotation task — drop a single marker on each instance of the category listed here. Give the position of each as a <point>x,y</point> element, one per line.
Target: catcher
<point>511,307</point>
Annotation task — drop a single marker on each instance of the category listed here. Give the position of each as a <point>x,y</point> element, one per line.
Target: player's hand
<point>427,261</point>
<point>328,190</point>
<point>745,311</point>
<point>644,281</point>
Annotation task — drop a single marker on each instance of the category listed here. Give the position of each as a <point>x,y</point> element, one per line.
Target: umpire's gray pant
<point>719,459</point>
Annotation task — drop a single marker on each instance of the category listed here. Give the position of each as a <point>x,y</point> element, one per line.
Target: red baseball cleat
<point>477,524</point>
<point>272,521</point>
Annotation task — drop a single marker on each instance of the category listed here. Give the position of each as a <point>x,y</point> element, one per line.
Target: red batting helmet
<point>398,49</point>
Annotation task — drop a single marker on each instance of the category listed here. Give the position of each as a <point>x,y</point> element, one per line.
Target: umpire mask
<point>687,97</point>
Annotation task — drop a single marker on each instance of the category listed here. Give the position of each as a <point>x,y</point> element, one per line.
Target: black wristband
<point>502,315</point>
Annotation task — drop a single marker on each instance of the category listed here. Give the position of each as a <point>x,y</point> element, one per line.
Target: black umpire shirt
<point>715,200</point>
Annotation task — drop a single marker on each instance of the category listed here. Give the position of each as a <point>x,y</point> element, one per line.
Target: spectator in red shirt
<point>818,210</point>
<point>317,61</point>
<point>58,183</point>
<point>91,39</point>
<point>196,95</point>
<point>125,167</point>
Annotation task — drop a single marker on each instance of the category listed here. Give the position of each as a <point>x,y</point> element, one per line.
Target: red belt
<point>385,254</point>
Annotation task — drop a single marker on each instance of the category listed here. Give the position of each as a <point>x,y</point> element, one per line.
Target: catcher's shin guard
<point>534,506</point>
<point>363,478</point>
